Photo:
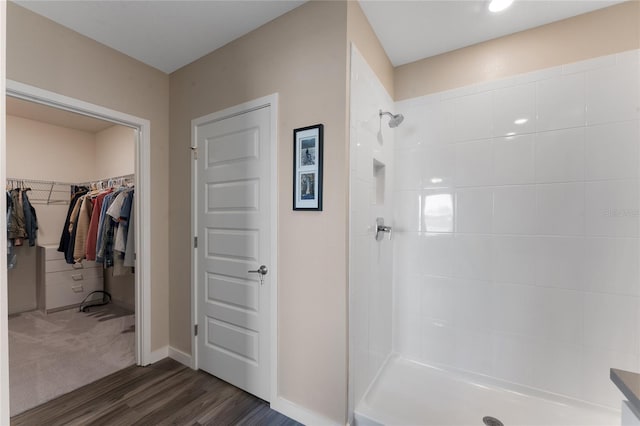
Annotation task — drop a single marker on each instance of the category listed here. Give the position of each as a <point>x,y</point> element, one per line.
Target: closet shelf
<point>42,191</point>
<point>53,192</point>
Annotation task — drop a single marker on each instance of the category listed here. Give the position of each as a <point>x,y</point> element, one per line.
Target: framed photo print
<point>307,168</point>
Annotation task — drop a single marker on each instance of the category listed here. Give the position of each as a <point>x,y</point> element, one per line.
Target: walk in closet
<point>71,254</point>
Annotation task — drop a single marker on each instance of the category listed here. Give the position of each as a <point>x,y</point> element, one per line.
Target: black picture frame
<point>307,167</point>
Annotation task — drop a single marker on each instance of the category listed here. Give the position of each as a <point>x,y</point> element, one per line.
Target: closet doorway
<point>54,296</point>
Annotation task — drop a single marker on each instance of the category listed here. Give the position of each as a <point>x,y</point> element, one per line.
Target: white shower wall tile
<point>513,259</point>
<point>533,274</point>
<point>435,253</point>
<point>408,319</point>
<point>438,342</point>
<point>406,211</point>
<point>438,299</point>
<point>559,369</point>
<point>425,167</point>
<point>560,208</point>
<point>513,160</point>
<point>559,262</point>
<point>611,321</point>
<point>612,265</point>
<point>474,210</point>
<point>472,117</point>
<point>473,351</point>
<point>560,102</point>
<point>514,209</point>
<point>538,312</point>
<point>473,304</point>
<point>612,151</point>
<point>514,110</point>
<point>422,126</point>
<point>362,200</point>
<point>612,208</point>
<point>474,163</point>
<point>371,262</point>
<point>560,156</point>
<point>613,93</point>
<point>515,358</point>
<point>556,368</point>
<point>437,210</point>
<point>438,166</point>
<point>472,257</point>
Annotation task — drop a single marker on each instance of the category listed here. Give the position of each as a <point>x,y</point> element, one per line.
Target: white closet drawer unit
<point>61,285</point>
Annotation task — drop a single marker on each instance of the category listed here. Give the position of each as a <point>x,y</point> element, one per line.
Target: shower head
<point>395,120</point>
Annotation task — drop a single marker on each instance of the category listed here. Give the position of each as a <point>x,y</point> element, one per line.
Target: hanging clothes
<point>92,236</point>
<point>12,258</point>
<point>17,228</point>
<point>97,228</point>
<point>65,237</point>
<point>82,228</point>
<point>130,250</point>
<point>22,223</point>
<point>30,219</point>
<point>105,251</point>
<point>68,254</point>
<point>123,221</point>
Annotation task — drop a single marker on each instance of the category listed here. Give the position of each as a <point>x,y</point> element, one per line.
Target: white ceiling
<point>164,34</point>
<point>170,34</point>
<point>412,30</point>
<point>55,116</point>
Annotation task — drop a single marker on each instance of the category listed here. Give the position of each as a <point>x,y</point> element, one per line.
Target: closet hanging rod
<point>26,182</point>
<point>128,178</point>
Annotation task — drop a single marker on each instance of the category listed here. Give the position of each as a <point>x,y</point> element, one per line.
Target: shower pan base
<point>410,393</point>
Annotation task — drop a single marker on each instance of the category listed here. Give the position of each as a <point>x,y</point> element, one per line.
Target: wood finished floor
<point>165,393</point>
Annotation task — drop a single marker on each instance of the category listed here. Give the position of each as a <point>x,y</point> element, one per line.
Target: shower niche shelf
<point>379,181</point>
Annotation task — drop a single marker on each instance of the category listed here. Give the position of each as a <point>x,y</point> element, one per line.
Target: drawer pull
<point>77,289</point>
<point>78,265</point>
<point>77,277</point>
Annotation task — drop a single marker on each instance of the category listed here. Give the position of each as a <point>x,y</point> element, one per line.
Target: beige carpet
<point>50,355</point>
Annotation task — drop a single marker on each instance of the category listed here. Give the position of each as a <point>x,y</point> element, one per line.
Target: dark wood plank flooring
<point>165,393</point>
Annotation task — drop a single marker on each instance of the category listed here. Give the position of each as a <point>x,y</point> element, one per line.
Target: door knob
<point>262,270</point>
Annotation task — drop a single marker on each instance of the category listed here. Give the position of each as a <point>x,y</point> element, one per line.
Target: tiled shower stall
<point>515,208</point>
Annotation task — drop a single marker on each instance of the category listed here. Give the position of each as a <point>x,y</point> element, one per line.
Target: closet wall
<point>42,151</point>
<point>115,156</point>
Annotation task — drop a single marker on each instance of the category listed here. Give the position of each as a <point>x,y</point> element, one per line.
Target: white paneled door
<point>233,230</point>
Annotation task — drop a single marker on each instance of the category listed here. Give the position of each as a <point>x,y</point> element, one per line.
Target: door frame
<point>143,197</point>
<point>270,101</point>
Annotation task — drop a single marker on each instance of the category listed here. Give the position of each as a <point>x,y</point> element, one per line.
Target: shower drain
<point>491,421</point>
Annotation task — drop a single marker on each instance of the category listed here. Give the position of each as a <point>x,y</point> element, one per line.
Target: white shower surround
<point>370,289</point>
<point>516,243</point>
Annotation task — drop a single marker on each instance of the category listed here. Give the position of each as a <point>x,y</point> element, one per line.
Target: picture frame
<point>307,167</point>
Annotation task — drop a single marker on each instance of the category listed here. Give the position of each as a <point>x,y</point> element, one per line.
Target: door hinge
<point>195,330</point>
<point>195,242</point>
<point>194,149</point>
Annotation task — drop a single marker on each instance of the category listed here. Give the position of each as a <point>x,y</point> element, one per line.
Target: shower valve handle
<point>381,228</point>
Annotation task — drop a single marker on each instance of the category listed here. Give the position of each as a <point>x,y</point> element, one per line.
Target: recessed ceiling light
<point>521,121</point>
<point>436,180</point>
<point>499,5</point>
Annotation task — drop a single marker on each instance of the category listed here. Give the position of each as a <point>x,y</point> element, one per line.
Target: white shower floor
<point>409,393</point>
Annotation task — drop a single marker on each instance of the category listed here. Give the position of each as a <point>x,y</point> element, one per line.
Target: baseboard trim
<point>181,357</point>
<point>300,414</point>
<point>158,354</point>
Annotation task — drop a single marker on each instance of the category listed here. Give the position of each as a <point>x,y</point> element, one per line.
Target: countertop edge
<point>625,381</point>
